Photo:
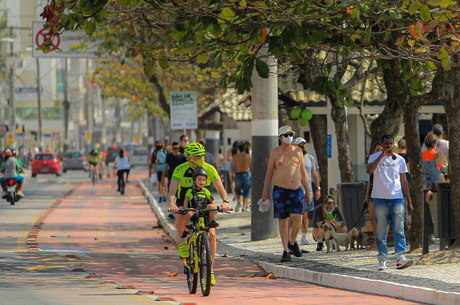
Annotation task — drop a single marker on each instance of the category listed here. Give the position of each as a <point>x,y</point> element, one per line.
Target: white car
<point>138,157</point>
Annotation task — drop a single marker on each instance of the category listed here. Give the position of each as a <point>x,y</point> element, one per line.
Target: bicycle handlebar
<point>185,211</point>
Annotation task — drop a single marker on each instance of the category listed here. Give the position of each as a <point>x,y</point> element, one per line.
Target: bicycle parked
<point>199,261</point>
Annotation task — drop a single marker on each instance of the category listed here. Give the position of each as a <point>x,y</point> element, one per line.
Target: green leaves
<point>443,55</point>
<point>262,68</point>
<point>227,14</point>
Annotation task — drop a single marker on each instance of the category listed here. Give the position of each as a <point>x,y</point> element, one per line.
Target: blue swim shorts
<point>286,202</point>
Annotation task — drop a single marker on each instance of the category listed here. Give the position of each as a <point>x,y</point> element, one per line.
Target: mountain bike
<point>199,261</point>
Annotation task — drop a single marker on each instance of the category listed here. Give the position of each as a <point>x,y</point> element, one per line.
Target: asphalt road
<point>69,242</point>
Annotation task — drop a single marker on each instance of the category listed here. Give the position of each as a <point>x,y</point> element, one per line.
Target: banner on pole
<point>183,110</point>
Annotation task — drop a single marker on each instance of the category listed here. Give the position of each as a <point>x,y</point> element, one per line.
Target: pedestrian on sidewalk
<point>367,197</point>
<point>286,167</point>
<point>229,168</point>
<point>242,162</point>
<point>388,193</point>
<point>312,168</point>
<point>173,159</point>
<point>158,163</point>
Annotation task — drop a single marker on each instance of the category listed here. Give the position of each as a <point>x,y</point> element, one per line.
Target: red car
<point>46,163</point>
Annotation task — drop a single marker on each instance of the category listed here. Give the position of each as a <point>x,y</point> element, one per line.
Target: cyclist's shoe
<point>213,279</point>
<point>286,257</point>
<point>20,194</point>
<point>295,249</point>
<point>213,224</point>
<point>183,249</point>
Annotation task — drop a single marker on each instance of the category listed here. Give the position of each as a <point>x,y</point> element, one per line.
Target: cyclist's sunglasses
<point>176,148</point>
<point>287,135</point>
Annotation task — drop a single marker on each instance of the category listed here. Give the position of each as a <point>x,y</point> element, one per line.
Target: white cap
<point>299,140</point>
<point>285,129</point>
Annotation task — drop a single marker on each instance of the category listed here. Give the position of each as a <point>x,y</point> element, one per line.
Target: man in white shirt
<point>388,193</point>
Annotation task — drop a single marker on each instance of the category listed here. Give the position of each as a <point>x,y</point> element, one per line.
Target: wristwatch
<point>226,201</point>
<point>318,188</point>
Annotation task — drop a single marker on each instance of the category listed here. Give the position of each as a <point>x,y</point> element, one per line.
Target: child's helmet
<point>200,172</point>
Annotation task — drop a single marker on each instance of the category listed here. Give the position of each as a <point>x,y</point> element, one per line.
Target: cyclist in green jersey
<point>182,181</point>
<point>93,160</point>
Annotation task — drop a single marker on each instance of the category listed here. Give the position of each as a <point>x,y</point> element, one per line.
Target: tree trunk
<point>318,124</point>
<point>162,100</point>
<point>451,99</point>
<point>416,169</point>
<point>389,120</point>
<point>339,116</point>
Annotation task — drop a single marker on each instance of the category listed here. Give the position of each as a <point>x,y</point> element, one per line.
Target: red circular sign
<point>44,35</point>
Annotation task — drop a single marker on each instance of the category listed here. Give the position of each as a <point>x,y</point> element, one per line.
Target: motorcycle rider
<point>10,170</point>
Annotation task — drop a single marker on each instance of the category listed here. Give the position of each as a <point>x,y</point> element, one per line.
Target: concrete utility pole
<point>264,139</point>
<point>39,107</point>
<point>66,105</point>
<point>11,77</point>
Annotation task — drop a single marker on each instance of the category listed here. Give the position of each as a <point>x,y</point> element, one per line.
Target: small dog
<point>355,237</point>
<point>333,239</point>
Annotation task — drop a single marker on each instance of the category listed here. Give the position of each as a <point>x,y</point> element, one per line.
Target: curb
<point>340,281</point>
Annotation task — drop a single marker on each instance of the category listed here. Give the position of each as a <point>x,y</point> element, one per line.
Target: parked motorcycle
<point>12,195</point>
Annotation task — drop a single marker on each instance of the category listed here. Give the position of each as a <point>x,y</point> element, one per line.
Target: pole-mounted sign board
<point>183,110</point>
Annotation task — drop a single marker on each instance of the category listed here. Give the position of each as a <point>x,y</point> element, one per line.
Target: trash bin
<point>351,203</point>
<point>446,227</point>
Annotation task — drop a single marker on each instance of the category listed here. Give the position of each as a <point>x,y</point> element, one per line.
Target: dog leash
<point>360,215</point>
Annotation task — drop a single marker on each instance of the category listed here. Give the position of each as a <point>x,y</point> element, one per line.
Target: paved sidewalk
<point>352,270</point>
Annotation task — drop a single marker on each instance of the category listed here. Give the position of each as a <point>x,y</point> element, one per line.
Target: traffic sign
<point>63,46</point>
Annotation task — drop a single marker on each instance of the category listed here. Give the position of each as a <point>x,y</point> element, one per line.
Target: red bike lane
<point>113,237</point>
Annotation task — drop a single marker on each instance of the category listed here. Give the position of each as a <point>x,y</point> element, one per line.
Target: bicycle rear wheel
<point>122,186</point>
<point>192,276</point>
<point>205,264</point>
<point>93,176</point>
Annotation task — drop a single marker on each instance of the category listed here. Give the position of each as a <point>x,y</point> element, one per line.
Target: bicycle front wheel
<point>205,264</point>
<point>192,276</point>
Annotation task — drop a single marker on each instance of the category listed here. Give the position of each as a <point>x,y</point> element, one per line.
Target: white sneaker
<point>382,265</point>
<point>403,262</point>
<point>304,240</point>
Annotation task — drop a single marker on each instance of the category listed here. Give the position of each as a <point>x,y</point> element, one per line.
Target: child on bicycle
<point>200,196</point>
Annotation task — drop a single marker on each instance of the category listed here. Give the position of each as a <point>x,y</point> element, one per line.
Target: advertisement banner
<point>183,110</point>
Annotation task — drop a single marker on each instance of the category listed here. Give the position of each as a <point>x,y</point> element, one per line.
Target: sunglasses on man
<point>287,135</point>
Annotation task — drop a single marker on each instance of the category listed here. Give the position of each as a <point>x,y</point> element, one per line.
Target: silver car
<point>139,157</point>
<point>74,160</point>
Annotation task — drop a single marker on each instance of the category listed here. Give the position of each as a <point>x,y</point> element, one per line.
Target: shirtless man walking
<point>286,167</point>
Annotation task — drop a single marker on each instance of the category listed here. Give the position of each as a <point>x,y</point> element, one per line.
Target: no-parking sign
<point>64,44</point>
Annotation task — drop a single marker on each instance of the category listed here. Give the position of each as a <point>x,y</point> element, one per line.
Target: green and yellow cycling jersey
<point>198,197</point>
<point>183,174</point>
<point>93,157</point>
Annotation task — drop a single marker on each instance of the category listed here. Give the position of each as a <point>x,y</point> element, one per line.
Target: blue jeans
<point>390,211</point>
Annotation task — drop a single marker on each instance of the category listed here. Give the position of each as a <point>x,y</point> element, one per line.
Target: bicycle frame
<point>198,229</point>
